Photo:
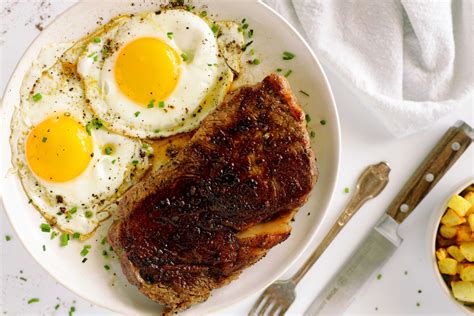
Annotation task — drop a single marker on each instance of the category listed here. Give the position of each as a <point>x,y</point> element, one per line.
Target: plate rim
<point>316,230</point>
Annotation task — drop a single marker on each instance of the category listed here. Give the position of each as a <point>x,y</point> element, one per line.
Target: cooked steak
<point>222,202</point>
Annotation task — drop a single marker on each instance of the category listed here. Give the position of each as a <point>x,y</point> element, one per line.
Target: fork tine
<point>265,306</point>
<point>274,309</point>
<point>283,310</point>
<point>255,306</point>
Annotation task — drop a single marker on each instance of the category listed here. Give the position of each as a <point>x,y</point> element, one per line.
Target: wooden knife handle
<point>451,146</point>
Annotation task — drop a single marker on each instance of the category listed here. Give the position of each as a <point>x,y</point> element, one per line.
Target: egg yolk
<point>147,69</point>
<point>58,149</point>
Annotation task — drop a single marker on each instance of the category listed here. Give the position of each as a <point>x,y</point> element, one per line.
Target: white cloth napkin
<point>410,61</point>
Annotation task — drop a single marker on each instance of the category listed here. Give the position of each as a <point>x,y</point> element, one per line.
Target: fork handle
<point>371,182</point>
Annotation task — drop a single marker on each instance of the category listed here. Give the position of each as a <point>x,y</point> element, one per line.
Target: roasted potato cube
<point>455,253</point>
<point>467,249</point>
<point>464,233</point>
<point>451,218</point>
<point>441,254</point>
<point>470,197</point>
<point>443,242</point>
<point>459,204</point>
<point>448,231</point>
<point>467,272</point>
<point>470,220</point>
<point>463,291</point>
<point>448,266</point>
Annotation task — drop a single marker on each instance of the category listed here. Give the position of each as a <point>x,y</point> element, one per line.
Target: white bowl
<point>432,233</point>
<point>272,36</point>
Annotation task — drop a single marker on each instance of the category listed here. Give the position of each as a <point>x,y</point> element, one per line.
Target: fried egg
<point>158,74</point>
<point>70,165</point>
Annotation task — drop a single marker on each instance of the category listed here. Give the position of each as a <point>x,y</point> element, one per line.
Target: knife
<point>383,240</point>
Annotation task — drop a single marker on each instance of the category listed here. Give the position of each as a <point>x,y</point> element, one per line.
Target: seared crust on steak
<point>223,202</point>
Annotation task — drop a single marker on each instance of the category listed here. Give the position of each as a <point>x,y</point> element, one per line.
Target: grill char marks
<point>249,163</point>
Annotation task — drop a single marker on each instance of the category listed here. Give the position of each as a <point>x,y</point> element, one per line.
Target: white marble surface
<point>364,141</point>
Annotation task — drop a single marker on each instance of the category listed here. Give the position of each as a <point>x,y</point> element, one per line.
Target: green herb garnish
<point>44,248</point>
<point>379,276</point>
<point>88,214</point>
<point>53,235</point>
<point>346,190</point>
<point>56,307</point>
<point>135,162</point>
<point>288,73</point>
<point>137,113</point>
<point>214,28</point>
<point>288,56</point>
<point>108,150</point>
<point>45,228</point>
<point>97,40</point>
<point>156,131</point>
<point>64,239</point>
<point>256,61</point>
<point>71,310</point>
<point>151,104</point>
<point>85,250</point>
<point>161,104</point>
<point>307,118</point>
<point>246,45</point>
<point>104,253</point>
<point>106,267</point>
<point>113,161</point>
<point>104,240</point>
<point>184,56</point>
<point>322,122</point>
<point>203,14</point>
<point>312,134</point>
<point>37,97</point>
<point>170,35</point>
<point>8,238</point>
<point>33,300</point>
<point>250,33</point>
<point>279,70</point>
<point>73,210</point>
<point>76,235</point>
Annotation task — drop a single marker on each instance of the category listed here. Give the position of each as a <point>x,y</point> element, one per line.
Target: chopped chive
<point>245,26</point>
<point>243,21</point>
<point>104,253</point>
<point>88,214</point>
<point>312,134</point>
<point>203,14</point>
<point>33,300</point>
<point>37,97</point>
<point>250,33</point>
<point>64,239</point>
<point>170,35</point>
<point>151,104</point>
<point>97,40</point>
<point>156,130</point>
<point>96,57</point>
<point>406,272</point>
<point>214,28</point>
<point>23,279</point>
<point>44,248</point>
<point>44,139</point>
<point>45,228</point>
<point>189,7</point>
<point>104,240</point>
<point>304,92</point>
<point>418,304</point>
<point>288,73</point>
<point>246,45</point>
<point>8,238</point>
<point>85,250</point>
<point>279,70</point>
<point>161,104</point>
<point>73,210</point>
<point>379,276</point>
<point>108,150</point>
<point>71,310</point>
<point>68,216</point>
<point>76,235</point>
<point>113,161</point>
<point>91,54</point>
<point>288,55</point>
<point>56,307</point>
<point>88,128</point>
<point>256,61</point>
<point>135,162</point>
<point>106,267</point>
<point>145,145</point>
<point>53,235</point>
<point>137,113</point>
<point>322,122</point>
<point>252,51</point>
<point>97,123</point>
<point>346,190</point>
<point>184,56</point>
<point>307,118</point>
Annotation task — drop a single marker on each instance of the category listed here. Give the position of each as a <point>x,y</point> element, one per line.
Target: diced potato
<point>455,253</point>
<point>470,220</point>
<point>463,291</point>
<point>464,233</point>
<point>459,269</point>
<point>451,218</point>
<point>443,242</point>
<point>467,249</point>
<point>467,272</point>
<point>459,204</point>
<point>441,254</point>
<point>448,266</point>
<point>448,231</point>
<point>470,197</point>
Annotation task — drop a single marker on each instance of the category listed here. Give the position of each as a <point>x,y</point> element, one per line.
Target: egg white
<point>106,176</point>
<point>204,79</point>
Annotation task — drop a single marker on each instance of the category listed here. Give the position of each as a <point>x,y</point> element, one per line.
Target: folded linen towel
<point>410,61</point>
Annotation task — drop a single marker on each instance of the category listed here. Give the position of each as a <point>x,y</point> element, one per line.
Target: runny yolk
<point>58,149</point>
<point>147,69</point>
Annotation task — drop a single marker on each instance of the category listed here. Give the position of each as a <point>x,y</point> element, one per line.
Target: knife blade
<point>383,240</point>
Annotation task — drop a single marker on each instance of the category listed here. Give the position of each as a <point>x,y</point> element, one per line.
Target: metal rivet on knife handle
<point>451,146</point>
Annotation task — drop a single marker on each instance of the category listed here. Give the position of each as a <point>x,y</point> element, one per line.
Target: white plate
<point>90,280</point>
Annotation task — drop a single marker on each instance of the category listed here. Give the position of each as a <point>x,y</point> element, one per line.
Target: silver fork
<point>279,296</point>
